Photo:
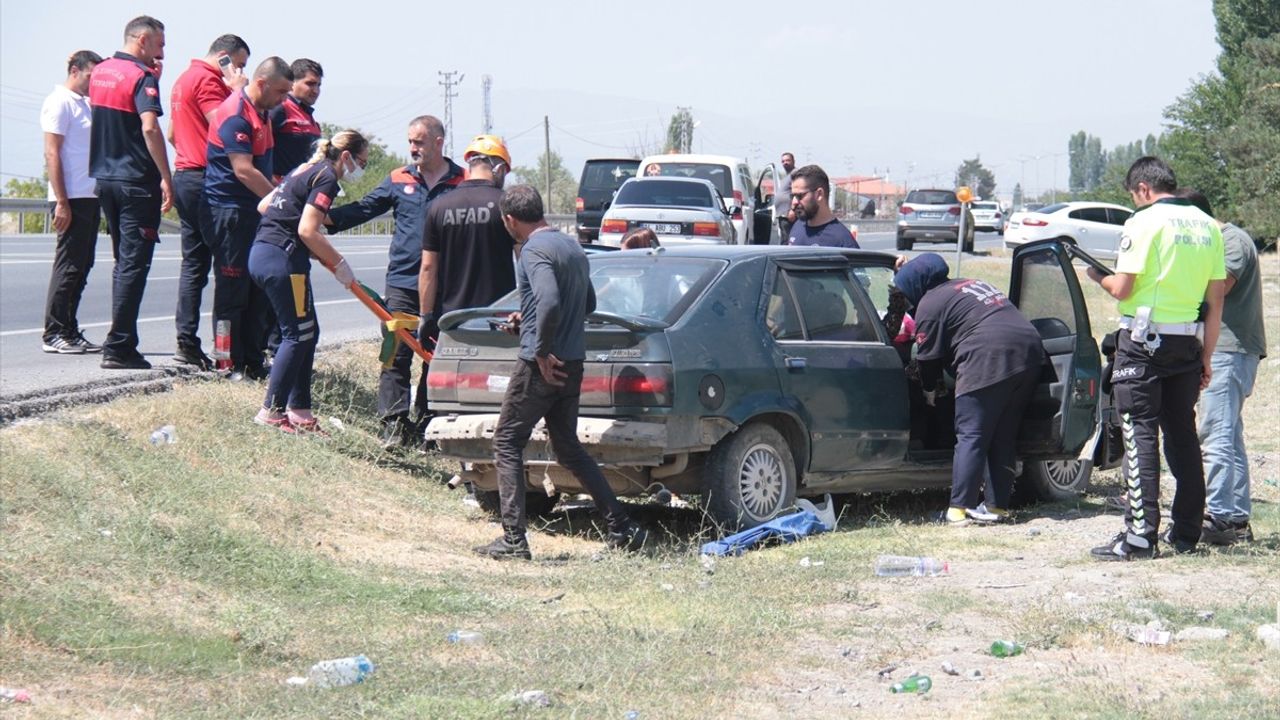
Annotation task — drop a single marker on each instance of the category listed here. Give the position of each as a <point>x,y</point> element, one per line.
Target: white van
<point>732,178</point>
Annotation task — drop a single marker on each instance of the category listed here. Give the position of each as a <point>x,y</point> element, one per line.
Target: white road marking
<point>157,318</point>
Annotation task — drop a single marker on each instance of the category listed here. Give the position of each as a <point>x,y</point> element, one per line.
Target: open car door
<point>1063,413</point>
<point>765,230</point>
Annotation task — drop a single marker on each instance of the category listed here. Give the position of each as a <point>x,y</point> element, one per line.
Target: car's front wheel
<point>750,477</point>
<point>1054,480</point>
<point>904,243</point>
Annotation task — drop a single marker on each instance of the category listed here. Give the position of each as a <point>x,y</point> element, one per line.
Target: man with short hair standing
<point>782,197</point>
<point>810,193</point>
<point>196,95</point>
<point>293,121</point>
<point>127,158</point>
<point>1169,273</point>
<point>408,192</point>
<point>556,296</point>
<point>66,119</point>
<point>238,176</point>
<point>1241,346</point>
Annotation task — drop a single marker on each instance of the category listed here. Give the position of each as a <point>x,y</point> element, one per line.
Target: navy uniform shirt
<point>406,194</point>
<point>316,186</point>
<point>121,88</point>
<point>832,234</point>
<point>975,329</point>
<point>296,131</point>
<point>237,127</point>
<point>474,266</point>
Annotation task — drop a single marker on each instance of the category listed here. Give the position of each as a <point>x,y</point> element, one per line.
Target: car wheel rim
<point>1062,474</point>
<point>760,481</point>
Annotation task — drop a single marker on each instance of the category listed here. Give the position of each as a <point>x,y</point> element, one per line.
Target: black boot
<point>513,545</point>
<point>630,537</point>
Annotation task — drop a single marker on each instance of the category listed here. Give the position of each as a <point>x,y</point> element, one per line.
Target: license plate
<point>498,383</point>
<point>930,216</point>
<point>663,228</point>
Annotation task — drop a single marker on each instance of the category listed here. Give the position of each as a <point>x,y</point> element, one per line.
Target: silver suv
<point>932,216</point>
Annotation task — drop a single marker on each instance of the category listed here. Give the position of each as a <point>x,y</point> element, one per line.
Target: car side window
<point>1090,214</point>
<point>781,318</point>
<point>1116,216</point>
<point>877,281</point>
<point>1045,295</point>
<point>829,309</point>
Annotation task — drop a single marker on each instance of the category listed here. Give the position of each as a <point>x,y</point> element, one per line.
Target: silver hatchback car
<point>932,216</point>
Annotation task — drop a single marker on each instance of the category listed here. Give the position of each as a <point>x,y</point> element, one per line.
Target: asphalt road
<point>25,263</point>
<point>24,279</point>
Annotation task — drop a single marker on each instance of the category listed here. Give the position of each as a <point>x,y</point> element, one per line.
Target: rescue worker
<point>996,356</point>
<point>293,121</point>
<point>280,264</point>
<point>1169,274</point>
<point>408,192</point>
<point>128,160</point>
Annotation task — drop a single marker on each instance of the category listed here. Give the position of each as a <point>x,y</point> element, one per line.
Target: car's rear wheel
<point>537,504</point>
<point>968,240</point>
<point>904,243</point>
<point>750,477</point>
<point>1054,480</point>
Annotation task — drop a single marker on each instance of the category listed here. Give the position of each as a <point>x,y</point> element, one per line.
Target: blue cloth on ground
<point>810,520</point>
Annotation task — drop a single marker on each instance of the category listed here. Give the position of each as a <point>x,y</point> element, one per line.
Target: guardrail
<point>24,207</point>
<point>385,224</point>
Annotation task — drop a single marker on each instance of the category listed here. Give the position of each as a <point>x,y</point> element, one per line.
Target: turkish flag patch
<point>242,137</point>
<point>153,92</point>
<point>322,201</point>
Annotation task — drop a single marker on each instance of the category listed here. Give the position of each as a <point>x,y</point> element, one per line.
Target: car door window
<point>781,318</point>
<point>1046,298</point>
<point>1092,214</point>
<point>1116,216</point>
<point>829,310</point>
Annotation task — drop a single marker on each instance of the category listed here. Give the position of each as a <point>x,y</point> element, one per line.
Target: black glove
<point>428,331</point>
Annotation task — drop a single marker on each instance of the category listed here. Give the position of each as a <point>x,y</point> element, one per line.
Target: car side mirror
<point>733,210</point>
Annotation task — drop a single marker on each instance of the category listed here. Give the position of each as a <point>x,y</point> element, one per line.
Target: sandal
<point>280,423</point>
<point>311,425</point>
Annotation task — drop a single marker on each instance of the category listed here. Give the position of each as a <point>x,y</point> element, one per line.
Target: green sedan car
<point>753,375</point>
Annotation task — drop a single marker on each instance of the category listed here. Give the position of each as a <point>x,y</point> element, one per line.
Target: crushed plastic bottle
<point>340,672</point>
<point>632,715</point>
<point>14,695</point>
<point>465,637</point>
<point>1006,648</point>
<point>536,698</point>
<point>903,566</point>
<point>913,684</point>
<point>165,435</point>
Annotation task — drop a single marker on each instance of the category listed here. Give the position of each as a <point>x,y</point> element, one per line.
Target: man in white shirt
<point>66,119</point>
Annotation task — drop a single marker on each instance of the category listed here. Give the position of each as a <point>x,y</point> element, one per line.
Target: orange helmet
<point>490,145</point>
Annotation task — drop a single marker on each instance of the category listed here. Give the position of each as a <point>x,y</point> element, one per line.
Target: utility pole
<point>486,84</point>
<point>546,136</point>
<point>449,84</point>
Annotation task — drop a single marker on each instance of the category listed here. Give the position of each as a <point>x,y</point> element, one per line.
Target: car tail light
<point>737,200</point>
<point>906,210</point>
<point>1034,222</point>
<point>644,385</point>
<point>706,229</point>
<point>953,210</point>
<point>613,225</point>
<point>579,205</point>
<point>997,216</point>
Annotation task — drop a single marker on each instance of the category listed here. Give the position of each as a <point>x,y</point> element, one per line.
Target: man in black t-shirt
<point>815,223</point>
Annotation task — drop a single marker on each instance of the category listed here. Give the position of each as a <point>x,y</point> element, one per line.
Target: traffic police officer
<point>407,192</point>
<point>128,159</point>
<point>1169,274</point>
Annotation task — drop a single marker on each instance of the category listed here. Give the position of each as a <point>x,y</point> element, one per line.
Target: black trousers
<point>133,218</point>
<point>72,260</point>
<point>197,254</point>
<point>236,297</point>
<point>529,399</point>
<point>1154,394</point>
<point>987,423</point>
<point>393,383</point>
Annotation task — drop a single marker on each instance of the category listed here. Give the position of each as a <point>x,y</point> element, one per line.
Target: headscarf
<point>920,275</point>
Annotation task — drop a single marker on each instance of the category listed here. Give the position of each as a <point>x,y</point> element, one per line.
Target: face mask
<point>354,171</point>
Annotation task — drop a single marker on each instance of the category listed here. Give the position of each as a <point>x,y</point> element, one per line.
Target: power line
<point>590,142</point>
<point>509,138</point>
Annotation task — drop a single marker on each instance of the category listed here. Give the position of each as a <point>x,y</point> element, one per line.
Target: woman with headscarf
<point>996,356</point>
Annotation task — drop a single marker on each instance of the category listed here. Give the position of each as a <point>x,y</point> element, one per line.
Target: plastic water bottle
<point>340,672</point>
<point>902,566</point>
<point>1006,648</point>
<point>465,637</point>
<point>222,344</point>
<point>14,695</point>
<point>913,684</point>
<point>166,435</point>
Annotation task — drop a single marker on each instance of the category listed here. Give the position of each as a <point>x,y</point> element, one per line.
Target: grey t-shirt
<point>1242,328</point>
<point>782,194</point>
<point>554,280</point>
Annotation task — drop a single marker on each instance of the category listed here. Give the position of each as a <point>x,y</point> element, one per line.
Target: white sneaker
<point>62,346</point>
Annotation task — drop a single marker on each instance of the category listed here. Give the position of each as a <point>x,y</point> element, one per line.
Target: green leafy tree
<point>1095,163</point>
<point>973,174</point>
<point>29,188</point>
<point>1075,161</point>
<point>1251,145</point>
<point>564,188</point>
<point>381,162</point>
<point>680,132</point>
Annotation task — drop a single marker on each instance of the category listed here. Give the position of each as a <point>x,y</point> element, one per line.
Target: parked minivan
<point>730,175</point>
<point>601,178</point>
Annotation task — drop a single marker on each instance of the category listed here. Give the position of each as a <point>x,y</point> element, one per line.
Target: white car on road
<point>729,175</point>
<point>1094,226</point>
<point>988,216</point>
<point>680,210</point>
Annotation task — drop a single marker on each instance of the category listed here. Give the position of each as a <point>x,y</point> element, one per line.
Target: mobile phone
<point>224,62</point>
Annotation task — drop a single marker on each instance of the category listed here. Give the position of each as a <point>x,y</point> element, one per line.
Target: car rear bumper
<point>611,441</point>
<point>934,233</point>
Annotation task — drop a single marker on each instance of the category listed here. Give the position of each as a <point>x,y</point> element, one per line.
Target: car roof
<point>695,158</point>
<point>745,252</point>
<point>1077,204</point>
<point>671,178</point>
<point>611,160</point>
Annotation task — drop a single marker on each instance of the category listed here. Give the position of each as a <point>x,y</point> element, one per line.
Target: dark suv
<point>601,178</point>
<point>932,216</point>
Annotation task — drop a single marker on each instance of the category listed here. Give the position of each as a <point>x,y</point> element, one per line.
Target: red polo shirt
<point>198,91</point>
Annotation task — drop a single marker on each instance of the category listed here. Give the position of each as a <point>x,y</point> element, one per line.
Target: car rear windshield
<point>665,193</point>
<point>985,206</point>
<point>608,174</point>
<point>1050,209</point>
<point>932,197</point>
<point>719,175</point>
<point>660,288</point>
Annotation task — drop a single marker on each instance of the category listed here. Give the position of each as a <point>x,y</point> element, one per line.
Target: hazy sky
<point>857,87</point>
